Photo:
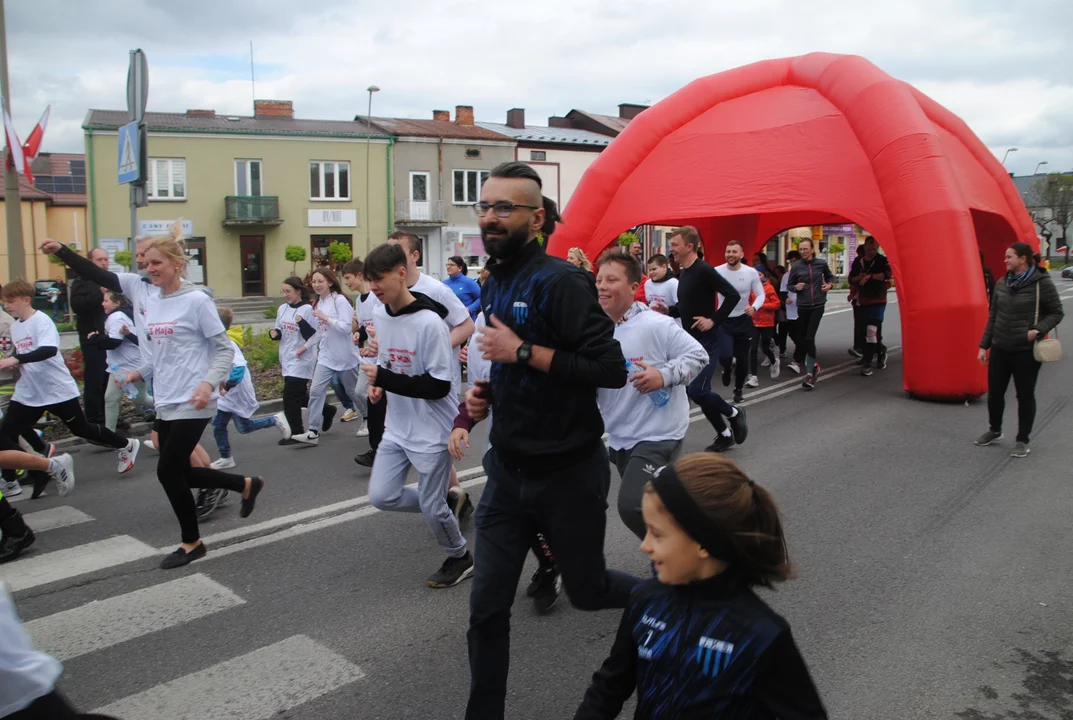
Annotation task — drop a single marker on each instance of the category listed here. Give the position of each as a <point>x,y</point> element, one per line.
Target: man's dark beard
<point>507,247</point>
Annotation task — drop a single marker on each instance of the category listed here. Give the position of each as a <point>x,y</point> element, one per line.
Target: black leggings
<point>1023,368</point>
<point>21,417</point>
<point>177,440</point>
<point>762,341</point>
<point>296,397</point>
<point>787,330</point>
<point>808,323</point>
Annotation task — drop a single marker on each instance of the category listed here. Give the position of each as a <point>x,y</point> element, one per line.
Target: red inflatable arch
<point>818,139</point>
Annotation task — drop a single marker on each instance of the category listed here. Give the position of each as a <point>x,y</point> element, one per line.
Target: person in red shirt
<point>764,320</point>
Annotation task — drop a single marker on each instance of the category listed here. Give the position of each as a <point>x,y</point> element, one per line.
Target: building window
<point>468,185</point>
<point>329,180</point>
<point>318,246</point>
<point>167,179</point>
<point>538,155</point>
<point>248,178</point>
<point>473,153</point>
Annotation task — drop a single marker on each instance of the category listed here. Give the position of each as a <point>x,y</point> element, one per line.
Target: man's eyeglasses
<point>502,209</point>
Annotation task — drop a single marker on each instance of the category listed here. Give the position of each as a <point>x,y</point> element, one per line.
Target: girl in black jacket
<point>698,642</point>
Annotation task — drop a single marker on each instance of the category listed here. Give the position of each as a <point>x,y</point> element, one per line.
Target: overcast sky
<point>1003,66</point>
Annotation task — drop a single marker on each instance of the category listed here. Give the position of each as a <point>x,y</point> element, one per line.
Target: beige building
<point>246,188</point>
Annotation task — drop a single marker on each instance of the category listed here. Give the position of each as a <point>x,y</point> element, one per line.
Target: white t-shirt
<point>290,339</point>
<point>337,350</point>
<point>662,294</point>
<point>138,290</point>
<point>127,356</point>
<point>746,281</point>
<point>457,313</point>
<point>630,416</point>
<point>364,310</point>
<point>46,382</point>
<point>414,344</point>
<point>180,328</point>
<point>25,673</point>
<point>241,399</point>
<point>791,307</point>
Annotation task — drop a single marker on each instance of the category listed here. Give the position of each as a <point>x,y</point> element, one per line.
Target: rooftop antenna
<point>253,83</point>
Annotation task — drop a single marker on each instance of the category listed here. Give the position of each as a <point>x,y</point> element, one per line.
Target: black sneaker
<point>727,372</point>
<point>257,484</point>
<point>366,458</point>
<point>738,427</point>
<point>180,557</point>
<point>882,364</point>
<point>452,572</point>
<point>467,510</point>
<point>206,502</point>
<point>287,441</point>
<point>809,382</point>
<point>329,416</point>
<point>854,352</point>
<point>722,444</point>
<point>739,396</point>
<point>11,546</point>
<point>546,594</point>
<point>537,580</point>
<point>867,371</point>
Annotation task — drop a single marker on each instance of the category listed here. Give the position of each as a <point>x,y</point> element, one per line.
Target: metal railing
<point>429,211</point>
<point>251,209</point>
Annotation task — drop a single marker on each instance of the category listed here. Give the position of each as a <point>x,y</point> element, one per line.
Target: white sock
<point>725,432</point>
<point>734,414</point>
<point>53,466</point>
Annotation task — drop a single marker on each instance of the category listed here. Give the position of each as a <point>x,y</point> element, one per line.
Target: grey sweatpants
<point>636,467</point>
<point>318,390</point>
<point>388,491</point>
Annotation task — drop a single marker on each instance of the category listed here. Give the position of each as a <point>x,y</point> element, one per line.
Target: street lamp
<point>1041,162</point>
<point>1008,151</point>
<point>368,147</point>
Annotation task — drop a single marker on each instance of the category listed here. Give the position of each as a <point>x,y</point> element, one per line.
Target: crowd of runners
<point>560,354</point>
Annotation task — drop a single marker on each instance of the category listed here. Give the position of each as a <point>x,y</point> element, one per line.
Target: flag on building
<point>23,154</point>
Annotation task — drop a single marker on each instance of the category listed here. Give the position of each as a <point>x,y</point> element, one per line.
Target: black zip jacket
<point>547,421</point>
<point>86,300</point>
<point>814,273</point>
<point>697,287</point>
<point>711,649</point>
<point>1013,313</point>
<point>423,387</point>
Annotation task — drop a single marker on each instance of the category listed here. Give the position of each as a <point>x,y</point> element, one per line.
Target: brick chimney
<point>200,113</point>
<point>516,118</point>
<point>560,122</point>
<point>463,114</point>
<point>273,108</point>
<point>444,115</point>
<point>628,111</point>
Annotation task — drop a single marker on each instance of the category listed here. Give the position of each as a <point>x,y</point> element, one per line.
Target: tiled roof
<point>237,124</point>
<point>564,136</point>
<point>61,162</point>
<point>615,123</point>
<point>26,191</point>
<point>404,127</point>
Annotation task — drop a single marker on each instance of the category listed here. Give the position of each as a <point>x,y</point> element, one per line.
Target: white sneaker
<point>63,472</point>
<point>10,489</point>
<point>128,455</point>
<point>752,381</point>
<point>363,429</point>
<point>223,463</point>
<point>149,444</point>
<point>776,369</point>
<point>283,425</point>
<point>765,363</point>
<point>794,368</point>
<point>311,437</point>
<point>349,415</point>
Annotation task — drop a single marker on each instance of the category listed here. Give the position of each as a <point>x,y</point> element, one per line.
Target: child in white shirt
<point>124,355</point>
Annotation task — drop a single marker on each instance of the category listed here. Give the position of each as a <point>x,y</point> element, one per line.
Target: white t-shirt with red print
<point>46,382</point>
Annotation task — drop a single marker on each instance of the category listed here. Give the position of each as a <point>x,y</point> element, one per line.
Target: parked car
<point>1067,272</point>
<point>45,288</point>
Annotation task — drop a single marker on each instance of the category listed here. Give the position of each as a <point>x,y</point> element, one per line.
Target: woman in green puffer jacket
<point>1025,307</point>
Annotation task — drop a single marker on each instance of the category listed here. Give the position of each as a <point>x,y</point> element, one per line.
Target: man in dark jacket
<point>551,346</point>
<point>870,275</point>
<point>86,300</point>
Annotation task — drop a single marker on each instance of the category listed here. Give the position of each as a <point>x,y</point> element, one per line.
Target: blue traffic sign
<point>129,152</point>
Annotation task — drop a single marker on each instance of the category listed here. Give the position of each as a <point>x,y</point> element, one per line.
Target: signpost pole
<point>16,254</point>
<point>137,96</point>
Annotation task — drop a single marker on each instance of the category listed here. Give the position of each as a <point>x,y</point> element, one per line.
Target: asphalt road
<point>934,577</point>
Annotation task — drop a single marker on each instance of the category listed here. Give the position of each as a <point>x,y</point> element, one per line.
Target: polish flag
<point>23,154</point>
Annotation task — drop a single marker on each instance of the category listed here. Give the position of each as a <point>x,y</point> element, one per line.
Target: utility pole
<point>16,254</point>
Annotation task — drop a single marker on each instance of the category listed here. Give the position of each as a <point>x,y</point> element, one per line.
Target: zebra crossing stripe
<point>104,623</point>
<point>261,684</point>
<point>54,518</point>
<point>51,567</point>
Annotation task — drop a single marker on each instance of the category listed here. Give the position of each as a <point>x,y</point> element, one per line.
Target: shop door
<point>253,265</point>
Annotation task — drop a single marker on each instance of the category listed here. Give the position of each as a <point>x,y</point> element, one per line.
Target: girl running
<point>337,353</point>
<point>697,641</point>
<point>764,337</point>
<point>191,356</point>
<point>296,332</point>
<point>124,355</point>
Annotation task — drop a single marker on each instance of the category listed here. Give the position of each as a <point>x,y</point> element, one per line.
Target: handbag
<point>1046,349</point>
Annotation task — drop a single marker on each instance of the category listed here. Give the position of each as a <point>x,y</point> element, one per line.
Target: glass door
<point>253,265</point>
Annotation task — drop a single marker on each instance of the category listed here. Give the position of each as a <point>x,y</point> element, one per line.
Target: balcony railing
<point>251,210</point>
<point>411,211</point>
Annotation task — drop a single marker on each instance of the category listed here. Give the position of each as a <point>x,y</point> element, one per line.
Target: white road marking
<point>50,567</point>
<point>261,684</point>
<point>104,623</point>
<point>54,518</point>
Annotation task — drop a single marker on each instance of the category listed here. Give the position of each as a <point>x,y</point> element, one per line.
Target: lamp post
<point>1008,151</point>
<point>1041,162</point>
<point>368,147</point>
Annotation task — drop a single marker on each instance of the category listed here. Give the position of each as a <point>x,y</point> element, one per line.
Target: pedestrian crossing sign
<point>129,167</point>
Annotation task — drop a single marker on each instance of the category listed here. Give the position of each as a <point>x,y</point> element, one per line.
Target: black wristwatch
<point>525,352</point>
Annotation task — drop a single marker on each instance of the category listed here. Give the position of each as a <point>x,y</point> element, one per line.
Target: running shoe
<point>288,441</point>
<point>50,450</point>
<point>722,444</point>
<point>794,367</point>
<point>456,500</point>
<point>282,425</point>
<point>738,426</point>
<point>223,497</point>
<point>11,546</point>
<point>149,444</point>
<point>10,489</point>
<point>549,584</point>
<point>765,363</point>
<point>363,429</point>
<point>867,371</point>
<point>882,364</point>
<point>310,437</point>
<point>329,416</point>
<point>1020,450</point>
<point>738,396</point>
<point>854,352</point>
<point>727,371</point>
<point>752,381</point>
<point>809,382</point>
<point>349,415</point>
<point>128,455</point>
<point>988,437</point>
<point>366,459</point>
<point>224,463</point>
<point>205,504</point>
<point>62,470</point>
<point>452,572</point>
<point>776,369</point>
<point>180,557</point>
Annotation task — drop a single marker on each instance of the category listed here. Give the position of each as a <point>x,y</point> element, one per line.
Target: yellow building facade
<point>42,218</point>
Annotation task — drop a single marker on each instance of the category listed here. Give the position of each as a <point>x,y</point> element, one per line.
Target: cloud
<point>992,62</point>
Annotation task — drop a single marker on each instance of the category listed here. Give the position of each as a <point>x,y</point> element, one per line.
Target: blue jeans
<point>341,393</point>
<point>243,425</point>
<point>714,407</point>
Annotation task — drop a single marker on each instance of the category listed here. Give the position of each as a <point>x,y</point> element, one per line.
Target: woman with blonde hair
<point>577,257</point>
